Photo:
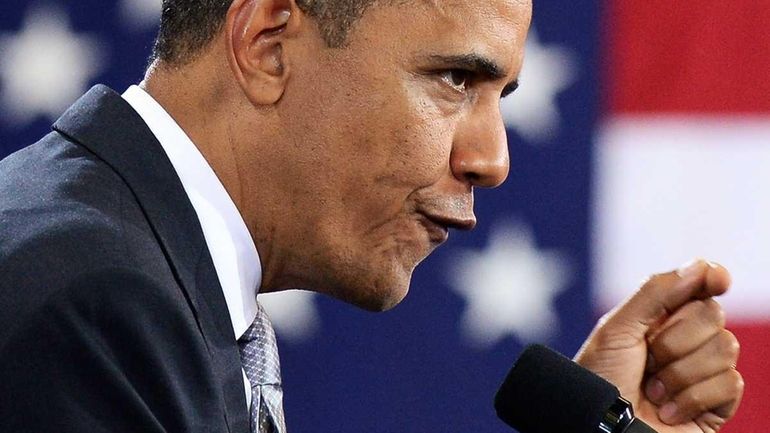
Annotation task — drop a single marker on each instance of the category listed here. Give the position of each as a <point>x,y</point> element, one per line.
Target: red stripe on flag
<point>708,56</point>
<point>753,364</point>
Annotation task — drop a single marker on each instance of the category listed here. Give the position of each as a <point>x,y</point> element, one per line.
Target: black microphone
<point>547,393</point>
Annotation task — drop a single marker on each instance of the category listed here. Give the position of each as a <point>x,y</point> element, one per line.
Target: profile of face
<point>386,138</point>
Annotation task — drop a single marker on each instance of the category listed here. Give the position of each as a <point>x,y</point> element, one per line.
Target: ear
<point>255,31</point>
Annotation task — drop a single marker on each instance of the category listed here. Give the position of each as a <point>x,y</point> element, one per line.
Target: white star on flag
<point>141,13</point>
<point>510,287</point>
<point>45,67</point>
<point>533,110</point>
<point>293,313</point>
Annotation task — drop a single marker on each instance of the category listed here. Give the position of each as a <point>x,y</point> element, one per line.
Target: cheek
<point>381,204</point>
<point>378,139</point>
<point>416,141</point>
<point>398,155</point>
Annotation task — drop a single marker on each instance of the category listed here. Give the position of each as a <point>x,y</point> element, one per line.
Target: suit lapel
<point>109,127</point>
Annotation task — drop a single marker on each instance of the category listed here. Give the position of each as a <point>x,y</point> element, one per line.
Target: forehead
<point>494,28</point>
<point>490,9</point>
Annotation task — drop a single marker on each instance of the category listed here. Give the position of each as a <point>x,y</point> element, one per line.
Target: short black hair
<point>188,26</point>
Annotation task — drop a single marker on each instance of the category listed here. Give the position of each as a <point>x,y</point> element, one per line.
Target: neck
<point>202,105</point>
<point>198,111</point>
<point>243,147</point>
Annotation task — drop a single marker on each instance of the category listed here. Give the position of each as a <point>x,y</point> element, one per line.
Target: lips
<point>439,214</point>
<point>438,233</point>
<point>438,225</point>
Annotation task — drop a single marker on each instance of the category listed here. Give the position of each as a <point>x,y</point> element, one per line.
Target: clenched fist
<point>667,350</point>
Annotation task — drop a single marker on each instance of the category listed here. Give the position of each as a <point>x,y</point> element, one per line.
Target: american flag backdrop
<point>640,138</point>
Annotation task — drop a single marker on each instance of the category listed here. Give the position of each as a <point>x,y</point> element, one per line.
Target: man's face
<point>386,138</point>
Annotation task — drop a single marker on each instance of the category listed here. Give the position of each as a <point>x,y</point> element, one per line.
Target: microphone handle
<point>638,426</point>
<point>620,419</point>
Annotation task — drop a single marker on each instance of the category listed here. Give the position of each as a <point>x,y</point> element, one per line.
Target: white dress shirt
<point>231,247</point>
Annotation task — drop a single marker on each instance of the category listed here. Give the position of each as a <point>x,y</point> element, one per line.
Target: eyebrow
<point>480,65</point>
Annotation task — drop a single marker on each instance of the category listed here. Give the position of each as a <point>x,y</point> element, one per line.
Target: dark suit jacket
<point>111,315</point>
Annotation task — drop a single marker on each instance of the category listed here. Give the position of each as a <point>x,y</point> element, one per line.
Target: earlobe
<point>255,33</point>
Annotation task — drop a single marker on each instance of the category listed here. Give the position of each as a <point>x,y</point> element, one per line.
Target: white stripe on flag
<point>671,188</point>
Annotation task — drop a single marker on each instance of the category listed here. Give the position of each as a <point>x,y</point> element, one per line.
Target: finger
<point>719,394</point>
<point>727,410</point>
<point>717,355</point>
<point>690,327</point>
<point>663,294</point>
<point>710,422</point>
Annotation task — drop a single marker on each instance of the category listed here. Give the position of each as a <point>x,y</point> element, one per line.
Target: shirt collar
<point>232,249</point>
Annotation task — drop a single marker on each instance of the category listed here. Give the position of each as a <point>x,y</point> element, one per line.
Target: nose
<point>480,150</point>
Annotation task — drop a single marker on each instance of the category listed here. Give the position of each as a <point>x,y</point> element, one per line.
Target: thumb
<point>663,294</point>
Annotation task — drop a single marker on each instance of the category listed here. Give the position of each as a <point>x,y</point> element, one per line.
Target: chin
<point>384,303</point>
<point>374,278</point>
<point>380,294</point>
<point>374,299</point>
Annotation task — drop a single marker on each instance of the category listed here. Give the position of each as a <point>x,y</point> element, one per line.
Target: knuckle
<point>713,312</point>
<point>728,347</point>
<point>734,346</point>
<point>737,383</point>
<point>694,401</point>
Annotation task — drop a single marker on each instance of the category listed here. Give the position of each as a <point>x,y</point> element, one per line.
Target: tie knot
<point>259,351</point>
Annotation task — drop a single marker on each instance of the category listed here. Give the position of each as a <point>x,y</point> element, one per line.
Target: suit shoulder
<point>64,213</point>
<point>59,202</point>
<point>55,172</point>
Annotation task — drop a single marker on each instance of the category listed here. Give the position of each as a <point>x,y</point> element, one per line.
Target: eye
<point>456,78</point>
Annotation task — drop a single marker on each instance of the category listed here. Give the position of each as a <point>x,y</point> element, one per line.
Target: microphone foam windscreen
<point>547,393</point>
